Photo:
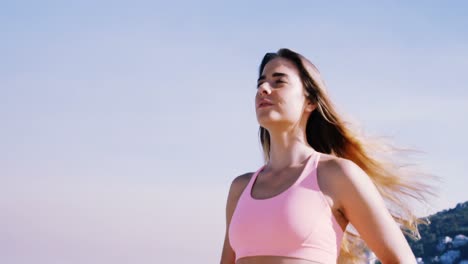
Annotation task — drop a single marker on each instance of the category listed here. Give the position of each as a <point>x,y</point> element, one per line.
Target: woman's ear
<point>310,107</point>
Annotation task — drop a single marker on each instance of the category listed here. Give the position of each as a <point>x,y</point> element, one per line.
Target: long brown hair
<point>327,132</point>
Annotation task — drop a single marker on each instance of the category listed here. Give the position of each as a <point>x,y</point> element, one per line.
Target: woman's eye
<point>278,81</point>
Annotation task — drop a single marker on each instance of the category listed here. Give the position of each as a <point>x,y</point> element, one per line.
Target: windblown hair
<point>327,132</point>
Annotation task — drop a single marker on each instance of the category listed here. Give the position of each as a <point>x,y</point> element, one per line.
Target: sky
<point>124,123</point>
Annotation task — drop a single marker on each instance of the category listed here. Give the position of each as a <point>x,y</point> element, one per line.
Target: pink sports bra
<point>296,223</point>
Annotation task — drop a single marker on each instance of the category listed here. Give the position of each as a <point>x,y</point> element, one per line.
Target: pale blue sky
<point>123,123</point>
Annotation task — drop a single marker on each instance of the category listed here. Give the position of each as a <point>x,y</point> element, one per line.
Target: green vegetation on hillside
<point>451,222</point>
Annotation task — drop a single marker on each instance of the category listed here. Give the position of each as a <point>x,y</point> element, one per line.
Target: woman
<point>319,180</point>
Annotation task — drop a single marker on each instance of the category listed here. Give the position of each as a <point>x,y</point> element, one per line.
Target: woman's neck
<point>288,150</point>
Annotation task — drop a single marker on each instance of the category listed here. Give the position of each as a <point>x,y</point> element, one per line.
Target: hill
<point>445,238</point>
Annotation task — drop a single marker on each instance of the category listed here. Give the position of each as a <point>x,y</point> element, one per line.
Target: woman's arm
<point>237,186</point>
<point>363,206</point>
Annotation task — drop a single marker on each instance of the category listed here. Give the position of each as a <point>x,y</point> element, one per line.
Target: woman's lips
<point>264,103</point>
<point>261,105</point>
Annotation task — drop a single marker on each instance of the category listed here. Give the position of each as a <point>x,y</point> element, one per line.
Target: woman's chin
<point>267,122</point>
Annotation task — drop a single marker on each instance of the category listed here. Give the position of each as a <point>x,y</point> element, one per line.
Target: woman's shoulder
<point>333,165</point>
<point>239,183</point>
<point>335,175</point>
<point>341,177</point>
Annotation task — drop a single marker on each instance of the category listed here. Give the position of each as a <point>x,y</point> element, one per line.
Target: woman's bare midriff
<point>273,260</point>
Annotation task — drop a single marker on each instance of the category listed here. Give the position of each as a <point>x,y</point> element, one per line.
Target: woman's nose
<point>264,88</point>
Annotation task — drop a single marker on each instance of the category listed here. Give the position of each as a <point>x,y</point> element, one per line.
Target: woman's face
<point>282,91</point>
